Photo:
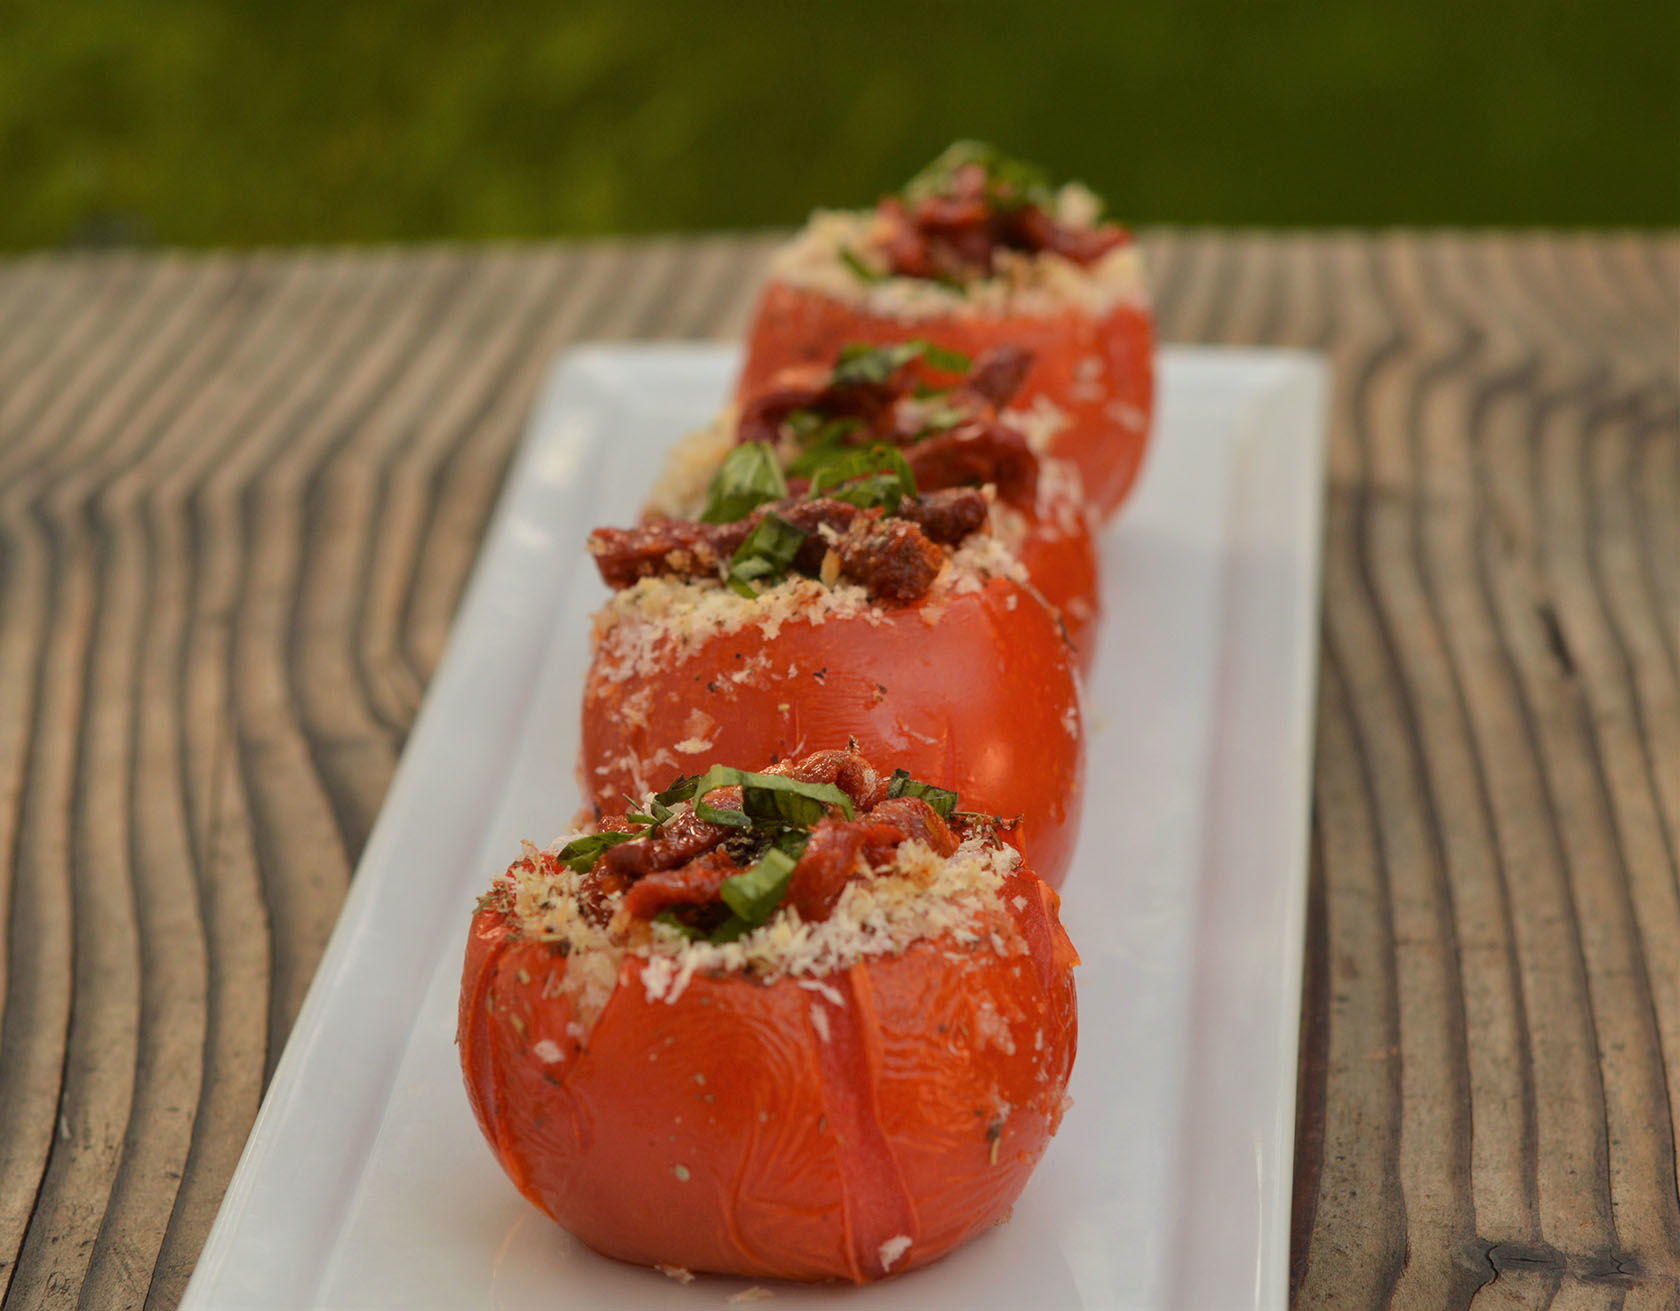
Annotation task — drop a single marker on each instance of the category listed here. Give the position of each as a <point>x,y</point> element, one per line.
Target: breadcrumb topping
<point>921,897</point>
<point>1023,283</point>
<point>656,621</point>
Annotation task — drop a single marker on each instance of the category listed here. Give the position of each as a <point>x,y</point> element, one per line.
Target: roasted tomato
<point>778,624</point>
<point>970,685</point>
<point>978,253</point>
<point>1096,370</point>
<point>942,413</point>
<point>841,1069</point>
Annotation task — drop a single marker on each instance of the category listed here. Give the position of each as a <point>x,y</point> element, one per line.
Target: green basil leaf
<point>877,491</point>
<point>748,477</point>
<point>687,930</point>
<point>803,424</point>
<point>582,853</point>
<point>775,807</point>
<point>860,363</point>
<point>753,894</point>
<point>886,477</point>
<point>680,790</point>
<point>732,928</point>
<point>819,439</point>
<point>817,453</point>
<point>720,814</point>
<point>720,776</point>
<point>1010,182</point>
<point>861,271</point>
<point>940,417</point>
<point>942,800</point>
<point>946,361</point>
<point>765,556</point>
<point>792,841</point>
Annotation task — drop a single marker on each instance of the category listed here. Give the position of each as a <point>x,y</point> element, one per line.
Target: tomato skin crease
<point>1063,567</point>
<point>732,1131</point>
<point>1109,407</point>
<point>982,699</point>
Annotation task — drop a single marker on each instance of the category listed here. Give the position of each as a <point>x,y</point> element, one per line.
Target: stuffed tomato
<point>944,413</point>
<point>978,252</point>
<point>813,1023</point>
<point>893,620</point>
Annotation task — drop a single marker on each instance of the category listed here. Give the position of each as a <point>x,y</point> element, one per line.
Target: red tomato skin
<point>983,700</point>
<point>1108,412</point>
<point>731,1131</point>
<point>1062,564</point>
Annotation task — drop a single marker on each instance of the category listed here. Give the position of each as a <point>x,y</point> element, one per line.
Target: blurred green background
<point>187,121</point>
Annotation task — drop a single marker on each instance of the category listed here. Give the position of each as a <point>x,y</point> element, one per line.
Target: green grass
<point>193,122</point>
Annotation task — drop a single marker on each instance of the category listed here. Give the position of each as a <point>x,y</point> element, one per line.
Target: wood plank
<point>240,496</point>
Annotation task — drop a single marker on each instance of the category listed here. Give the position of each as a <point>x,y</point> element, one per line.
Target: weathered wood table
<point>239,496</point>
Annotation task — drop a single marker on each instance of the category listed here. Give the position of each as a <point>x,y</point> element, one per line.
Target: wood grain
<point>239,499</point>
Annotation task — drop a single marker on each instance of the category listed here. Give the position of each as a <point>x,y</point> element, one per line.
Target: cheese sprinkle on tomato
<point>922,897</point>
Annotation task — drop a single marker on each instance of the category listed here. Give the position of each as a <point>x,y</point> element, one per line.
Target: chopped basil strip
<point>942,800</point>
<point>940,416</point>
<point>652,817</point>
<point>765,556</point>
<point>1010,183</point>
<point>946,361</point>
<point>720,814</point>
<point>680,790</point>
<point>818,452</point>
<point>866,476</point>
<point>862,364</point>
<point>773,806</point>
<point>861,271</point>
<point>748,477</point>
<point>719,776</point>
<point>813,425</point>
<point>754,893</point>
<point>877,491</point>
<point>582,853</point>
<point>819,439</point>
<point>793,841</point>
<point>732,928</point>
<point>669,918</point>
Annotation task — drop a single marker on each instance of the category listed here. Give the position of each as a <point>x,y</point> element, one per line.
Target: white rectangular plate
<point>365,1182</point>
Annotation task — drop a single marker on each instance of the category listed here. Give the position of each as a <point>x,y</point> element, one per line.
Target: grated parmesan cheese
<point>1040,423</point>
<point>892,1249</point>
<point>828,991</point>
<point>923,896</point>
<point>659,621</point>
